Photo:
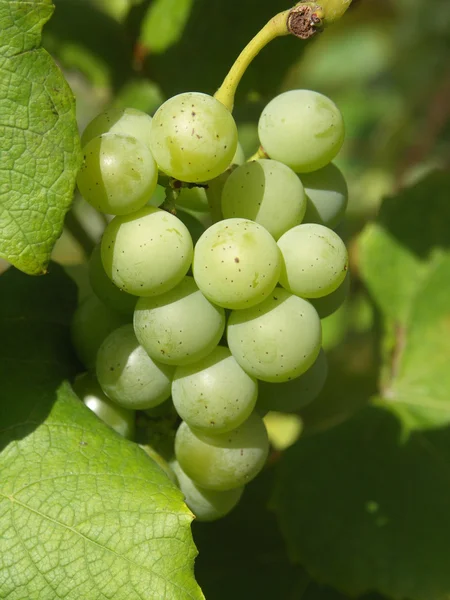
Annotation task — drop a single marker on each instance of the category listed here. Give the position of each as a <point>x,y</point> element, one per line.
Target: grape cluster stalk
<point>211,302</point>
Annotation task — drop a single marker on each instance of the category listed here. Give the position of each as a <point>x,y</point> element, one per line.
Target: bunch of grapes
<point>221,318</point>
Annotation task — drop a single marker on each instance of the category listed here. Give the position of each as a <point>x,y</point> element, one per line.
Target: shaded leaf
<point>396,249</point>
<point>362,508</point>
<point>83,512</point>
<point>248,544</point>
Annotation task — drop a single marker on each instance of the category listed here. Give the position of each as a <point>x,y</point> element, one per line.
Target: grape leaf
<point>163,23</point>
<point>395,250</point>
<point>83,512</point>
<point>248,544</point>
<point>40,146</point>
<point>251,547</point>
<point>364,506</point>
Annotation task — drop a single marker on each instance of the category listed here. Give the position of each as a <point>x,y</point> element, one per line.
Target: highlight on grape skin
<point>193,137</point>
<point>302,129</point>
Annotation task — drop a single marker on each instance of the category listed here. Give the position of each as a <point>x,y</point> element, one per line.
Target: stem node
<point>305,20</point>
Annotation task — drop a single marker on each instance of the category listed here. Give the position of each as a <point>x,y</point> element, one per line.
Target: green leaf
<point>248,544</point>
<point>83,512</point>
<point>420,386</point>
<point>401,264</point>
<point>164,23</point>
<point>396,249</point>
<point>39,139</point>
<point>364,506</point>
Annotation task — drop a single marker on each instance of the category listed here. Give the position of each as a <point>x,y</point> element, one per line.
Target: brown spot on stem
<point>304,20</point>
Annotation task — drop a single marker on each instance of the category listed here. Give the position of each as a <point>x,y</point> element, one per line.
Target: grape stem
<point>334,10</point>
<point>304,20</point>
<point>260,153</point>
<point>276,27</point>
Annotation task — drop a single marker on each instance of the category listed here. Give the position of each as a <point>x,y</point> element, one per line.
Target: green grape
<point>195,227</point>
<point>118,175</point>
<point>128,375</point>
<point>265,191</point>
<point>302,129</point>
<point>146,253</point>
<point>92,322</point>
<point>239,156</point>
<point>206,505</point>
<point>193,199</point>
<point>214,395</point>
<point>180,326</point>
<point>162,410</point>
<point>125,121</point>
<point>158,197</point>
<point>225,461</point>
<point>327,305</point>
<point>104,288</point>
<point>294,395</point>
<point>277,340</point>
<point>236,263</point>
<point>315,260</point>
<point>89,391</point>
<point>327,194</point>
<point>214,195</point>
<point>193,137</point>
